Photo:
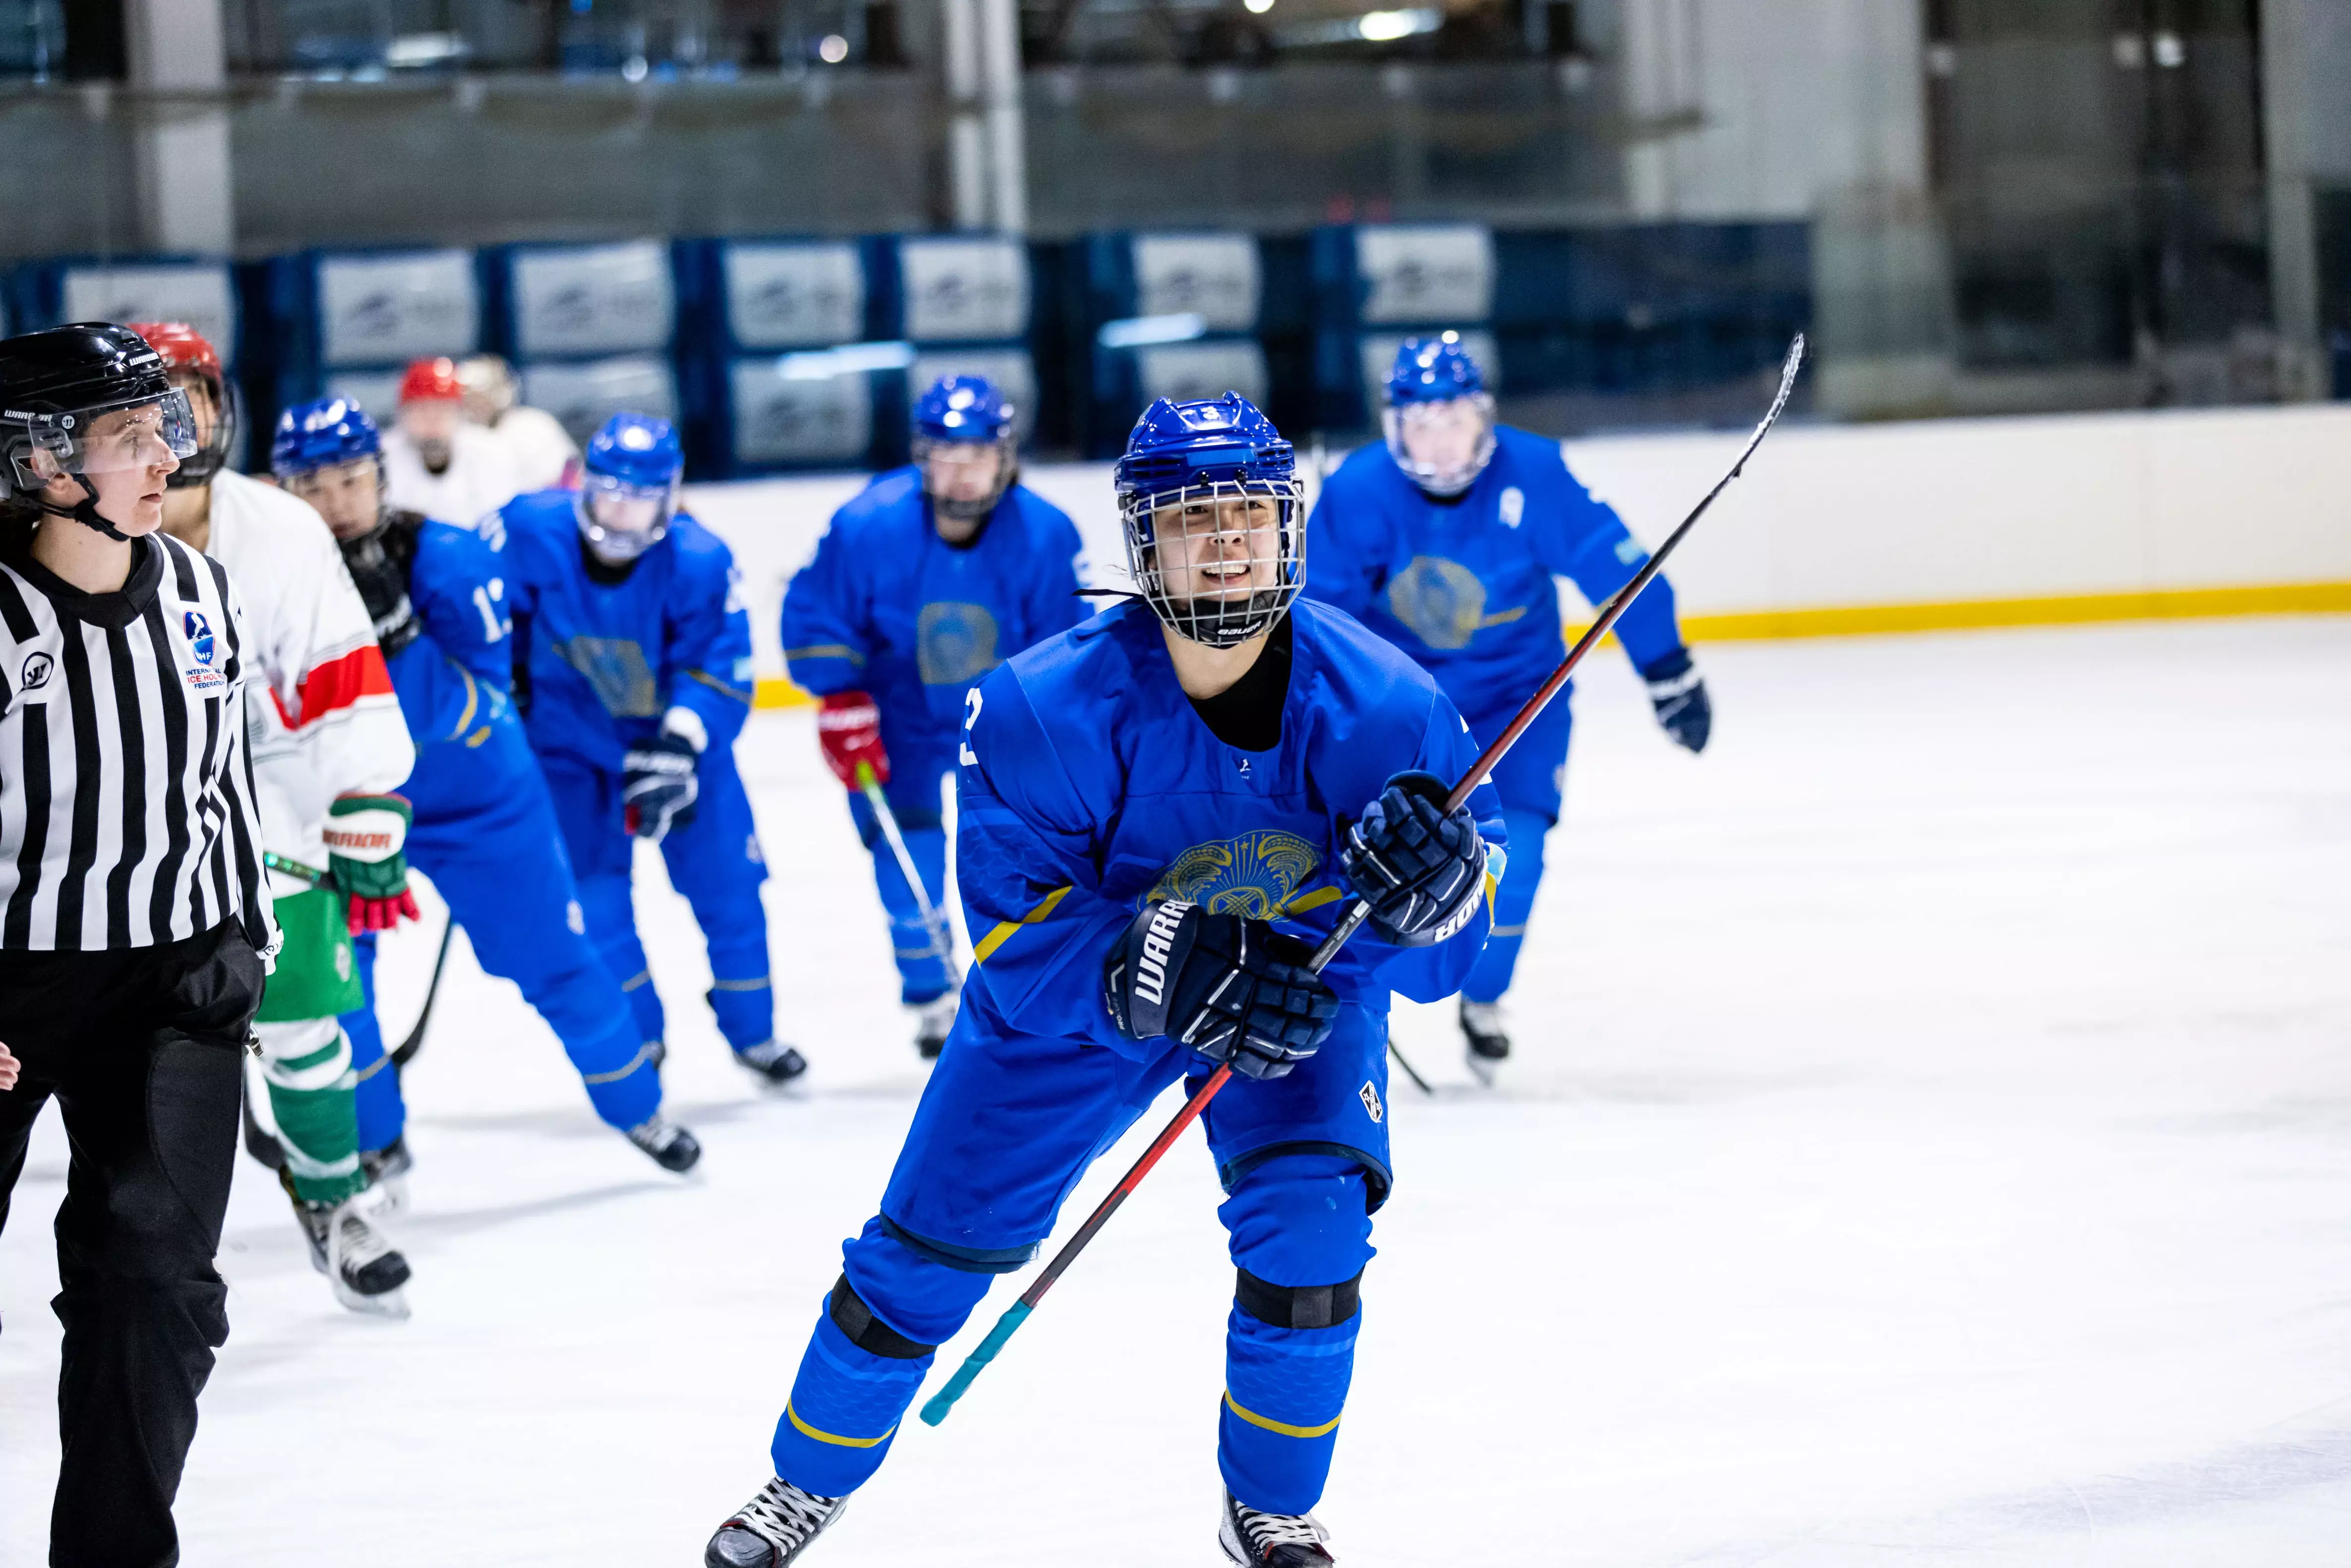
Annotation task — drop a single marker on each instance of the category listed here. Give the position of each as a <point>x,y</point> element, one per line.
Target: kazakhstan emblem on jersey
<point>617,669</point>
<point>1251,876</point>
<point>955,643</point>
<point>1443,601</point>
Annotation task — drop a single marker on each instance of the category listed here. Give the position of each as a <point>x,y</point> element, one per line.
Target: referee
<point>133,922</point>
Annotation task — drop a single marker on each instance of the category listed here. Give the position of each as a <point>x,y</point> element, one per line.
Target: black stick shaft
<point>1618,602</point>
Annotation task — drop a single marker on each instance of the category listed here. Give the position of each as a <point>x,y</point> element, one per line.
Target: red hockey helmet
<point>187,355</point>
<point>431,380</point>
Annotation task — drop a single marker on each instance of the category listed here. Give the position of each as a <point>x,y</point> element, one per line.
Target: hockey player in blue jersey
<point>1159,812</point>
<point>633,667</point>
<point>925,582</point>
<point>1446,541</point>
<point>484,828</point>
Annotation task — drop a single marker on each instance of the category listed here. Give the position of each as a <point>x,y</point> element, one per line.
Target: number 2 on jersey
<point>970,716</point>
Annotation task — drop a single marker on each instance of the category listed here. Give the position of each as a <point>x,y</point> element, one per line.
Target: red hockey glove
<point>366,835</point>
<point>849,727</point>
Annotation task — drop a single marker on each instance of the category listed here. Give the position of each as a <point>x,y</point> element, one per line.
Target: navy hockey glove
<point>378,568</point>
<point>1421,869</point>
<point>658,787</point>
<point>1233,989</point>
<point>1679,697</point>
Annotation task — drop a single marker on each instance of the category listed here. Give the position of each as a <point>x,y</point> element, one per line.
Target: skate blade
<point>391,1306</point>
<point>1484,1068</point>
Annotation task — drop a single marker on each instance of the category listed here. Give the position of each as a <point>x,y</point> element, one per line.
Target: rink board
<point>1865,529</point>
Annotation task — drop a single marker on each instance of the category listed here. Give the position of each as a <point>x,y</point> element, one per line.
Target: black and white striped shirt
<point>126,813</point>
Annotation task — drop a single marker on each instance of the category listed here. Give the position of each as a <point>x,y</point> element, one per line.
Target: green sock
<point>318,1128</point>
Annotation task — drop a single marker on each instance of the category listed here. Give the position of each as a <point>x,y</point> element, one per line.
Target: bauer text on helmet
<point>628,492</point>
<point>1439,419</point>
<point>91,426</point>
<point>1208,493</point>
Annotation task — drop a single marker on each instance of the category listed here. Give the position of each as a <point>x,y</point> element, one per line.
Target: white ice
<point>1930,1143</point>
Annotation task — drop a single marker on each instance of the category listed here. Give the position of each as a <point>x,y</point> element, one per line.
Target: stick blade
<point>1788,369</point>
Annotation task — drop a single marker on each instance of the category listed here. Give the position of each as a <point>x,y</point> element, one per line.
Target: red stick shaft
<point>1127,1184</point>
<point>1360,910</point>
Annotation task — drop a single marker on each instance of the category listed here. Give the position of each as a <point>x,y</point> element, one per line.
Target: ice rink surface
<point>1930,1143</point>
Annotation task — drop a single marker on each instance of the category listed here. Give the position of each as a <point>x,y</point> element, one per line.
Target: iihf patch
<point>199,634</point>
<point>1371,1099</point>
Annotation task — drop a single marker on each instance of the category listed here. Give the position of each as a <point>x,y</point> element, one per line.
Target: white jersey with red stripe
<point>327,722</point>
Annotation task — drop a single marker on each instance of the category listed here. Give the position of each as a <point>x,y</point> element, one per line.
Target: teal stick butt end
<point>934,1409</point>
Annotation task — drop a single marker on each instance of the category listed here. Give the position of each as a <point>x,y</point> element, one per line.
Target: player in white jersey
<point>436,462</point>
<point>543,451</point>
<point>330,747</point>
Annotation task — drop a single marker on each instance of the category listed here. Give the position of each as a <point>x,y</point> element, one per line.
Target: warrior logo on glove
<point>1233,989</point>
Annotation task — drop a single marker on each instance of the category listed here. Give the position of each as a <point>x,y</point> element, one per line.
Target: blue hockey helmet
<point>628,491</point>
<point>321,433</point>
<point>1439,419</point>
<point>1209,495</point>
<point>968,412</point>
<point>329,433</point>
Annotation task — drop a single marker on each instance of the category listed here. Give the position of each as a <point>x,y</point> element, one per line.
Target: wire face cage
<point>1221,560</point>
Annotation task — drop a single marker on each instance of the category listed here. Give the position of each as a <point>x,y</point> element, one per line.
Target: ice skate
<point>772,1529</point>
<point>933,1019</point>
<point>1268,1540</point>
<point>671,1147</point>
<point>772,1059</point>
<point>1489,1041</point>
<point>387,1171</point>
<point>366,1272</point>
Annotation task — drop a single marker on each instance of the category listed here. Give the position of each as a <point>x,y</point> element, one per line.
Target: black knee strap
<point>1299,1306</point>
<point>852,1317</point>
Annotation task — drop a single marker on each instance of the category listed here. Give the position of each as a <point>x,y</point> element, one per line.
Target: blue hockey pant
<point>913,796</point>
<point>503,873</point>
<point>1008,1126</point>
<point>1529,779</point>
<point>714,860</point>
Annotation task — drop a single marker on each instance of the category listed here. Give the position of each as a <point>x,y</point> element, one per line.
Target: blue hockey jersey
<point>890,609</point>
<point>601,662</point>
<point>452,680</point>
<point>1090,787</point>
<point>1466,587</point>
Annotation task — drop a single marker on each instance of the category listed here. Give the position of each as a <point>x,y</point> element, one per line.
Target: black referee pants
<point>140,1047</point>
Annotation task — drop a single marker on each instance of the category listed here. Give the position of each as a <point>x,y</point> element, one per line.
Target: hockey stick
<point>934,922</point>
<point>936,1410</point>
<point>259,1142</point>
<point>407,1049</point>
<point>1418,1080</point>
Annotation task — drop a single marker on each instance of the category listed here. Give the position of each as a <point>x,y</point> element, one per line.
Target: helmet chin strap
<point>84,511</point>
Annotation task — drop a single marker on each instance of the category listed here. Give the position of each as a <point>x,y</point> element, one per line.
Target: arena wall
<point>1846,529</point>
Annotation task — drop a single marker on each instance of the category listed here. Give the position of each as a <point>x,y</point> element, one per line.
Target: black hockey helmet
<point>56,384</point>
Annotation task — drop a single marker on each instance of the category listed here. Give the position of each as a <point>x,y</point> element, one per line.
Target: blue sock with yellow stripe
<point>845,1409</point>
<point>1284,1389</point>
<point>863,1364</point>
<point>1300,1238</point>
